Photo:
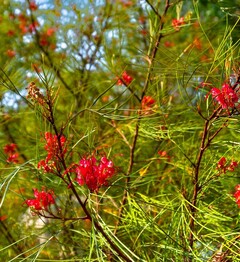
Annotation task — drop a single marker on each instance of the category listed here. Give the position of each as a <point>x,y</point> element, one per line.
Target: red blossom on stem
<point>23,23</point>
<point>33,6</point>
<point>13,158</point>
<point>226,97</point>
<point>125,79</point>
<point>50,31</point>
<point>147,104</point>
<point>10,148</point>
<point>32,27</point>
<point>47,166</point>
<point>176,23</point>
<point>42,199</point>
<point>56,149</point>
<point>26,25</point>
<point>237,195</point>
<point>94,173</point>
<point>232,166</point>
<point>222,165</point>
<point>11,151</point>
<point>45,38</point>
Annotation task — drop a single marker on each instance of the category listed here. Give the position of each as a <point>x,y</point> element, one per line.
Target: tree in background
<point>119,130</point>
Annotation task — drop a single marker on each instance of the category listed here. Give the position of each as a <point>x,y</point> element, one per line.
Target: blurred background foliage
<point>79,49</point>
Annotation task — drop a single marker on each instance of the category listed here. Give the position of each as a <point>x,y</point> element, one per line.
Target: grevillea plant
<point>119,131</point>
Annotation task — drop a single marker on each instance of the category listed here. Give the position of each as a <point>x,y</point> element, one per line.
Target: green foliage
<point>118,79</point>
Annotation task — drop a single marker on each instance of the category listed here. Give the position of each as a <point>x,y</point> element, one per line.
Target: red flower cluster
<point>147,104</point>
<point>56,149</point>
<point>176,23</point>
<point>223,167</point>
<point>11,151</point>
<point>26,25</point>
<point>125,79</point>
<point>237,195</point>
<point>94,174</point>
<point>46,38</point>
<point>42,199</point>
<point>33,6</point>
<point>226,97</point>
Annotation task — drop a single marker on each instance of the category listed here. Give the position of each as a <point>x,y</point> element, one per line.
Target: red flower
<point>10,148</point>
<point>232,166</point>
<point>32,27</point>
<point>147,103</point>
<point>237,194</point>
<point>226,97</point>
<point>50,31</point>
<point>23,28</point>
<point>125,79</point>
<point>223,167</point>
<point>47,166</point>
<point>176,23</point>
<point>22,18</point>
<point>56,147</point>
<point>11,151</point>
<point>44,41</point>
<point>94,174</point>
<point>33,6</point>
<point>23,23</point>
<point>221,163</point>
<point>45,38</point>
<point>42,200</point>
<point>13,158</point>
<point>11,53</point>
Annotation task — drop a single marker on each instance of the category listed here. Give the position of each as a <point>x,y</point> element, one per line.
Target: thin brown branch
<point>205,143</point>
<point>217,132</point>
<point>137,127</point>
<point>72,187</point>
<point>154,10</point>
<point>155,50</point>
